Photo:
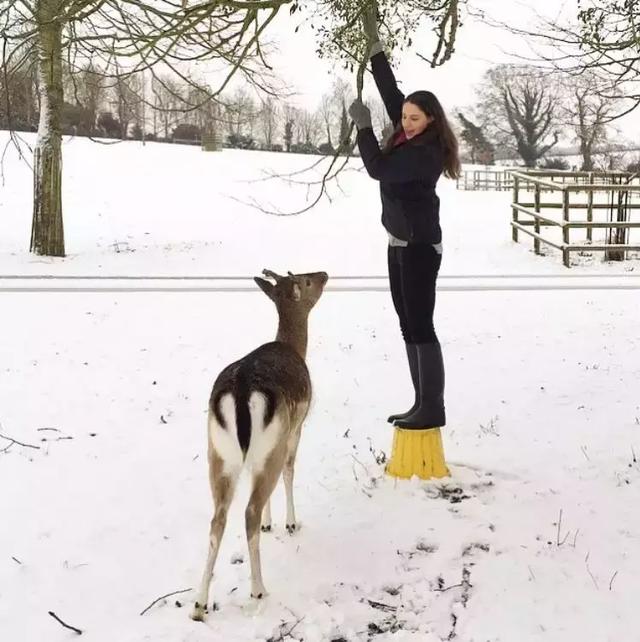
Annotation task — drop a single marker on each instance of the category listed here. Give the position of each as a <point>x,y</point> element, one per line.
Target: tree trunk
<point>47,232</point>
<point>587,160</point>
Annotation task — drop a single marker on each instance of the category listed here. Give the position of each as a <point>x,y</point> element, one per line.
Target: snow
<point>112,510</point>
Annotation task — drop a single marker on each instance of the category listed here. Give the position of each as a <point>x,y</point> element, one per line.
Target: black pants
<point>413,271</point>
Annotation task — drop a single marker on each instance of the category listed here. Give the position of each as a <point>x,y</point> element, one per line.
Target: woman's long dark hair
<point>438,129</point>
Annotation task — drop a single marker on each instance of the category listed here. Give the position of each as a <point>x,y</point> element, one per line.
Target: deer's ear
<point>266,286</point>
<point>296,293</point>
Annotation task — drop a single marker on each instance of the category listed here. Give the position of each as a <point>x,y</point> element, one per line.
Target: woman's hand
<point>360,114</point>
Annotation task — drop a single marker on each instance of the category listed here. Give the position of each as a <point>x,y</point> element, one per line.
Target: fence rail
<point>489,179</point>
<point>232,285</point>
<point>616,191</point>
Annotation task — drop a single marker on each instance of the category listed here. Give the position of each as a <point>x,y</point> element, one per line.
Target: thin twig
<point>442,590</point>
<point>586,563</point>
<point>558,542</point>
<point>15,559</point>
<point>284,634</point>
<point>575,538</point>
<point>344,148</point>
<point>558,535</point>
<point>15,441</point>
<point>379,458</point>
<point>358,461</point>
<point>381,606</point>
<point>162,597</point>
<point>613,577</point>
<point>66,626</point>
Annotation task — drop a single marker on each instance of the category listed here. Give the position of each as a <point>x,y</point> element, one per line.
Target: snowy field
<point>535,537</point>
<point>169,209</point>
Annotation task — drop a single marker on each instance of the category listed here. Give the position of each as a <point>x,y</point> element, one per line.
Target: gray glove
<point>360,114</point>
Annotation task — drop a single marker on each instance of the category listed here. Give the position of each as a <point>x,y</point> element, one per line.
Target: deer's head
<point>294,290</point>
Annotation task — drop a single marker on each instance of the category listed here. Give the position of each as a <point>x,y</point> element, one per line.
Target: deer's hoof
<point>292,528</point>
<point>266,528</point>
<point>198,613</point>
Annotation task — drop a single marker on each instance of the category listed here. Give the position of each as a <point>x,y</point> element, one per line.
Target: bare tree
<point>18,97</point>
<point>326,113</point>
<point>90,92</point>
<point>331,109</point>
<point>202,110</point>
<point>240,113</point>
<point>607,40</point>
<point>479,148</point>
<point>601,38</point>
<point>142,32</point>
<point>586,112</point>
<point>269,117</point>
<point>126,91</point>
<point>518,106</point>
<point>168,103</point>
<point>47,232</point>
<point>310,127</point>
<point>293,132</point>
<point>146,32</point>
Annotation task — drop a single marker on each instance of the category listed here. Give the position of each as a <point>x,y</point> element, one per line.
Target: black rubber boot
<point>412,357</point>
<point>430,410</point>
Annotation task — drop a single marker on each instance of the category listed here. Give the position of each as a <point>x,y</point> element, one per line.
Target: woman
<point>422,148</point>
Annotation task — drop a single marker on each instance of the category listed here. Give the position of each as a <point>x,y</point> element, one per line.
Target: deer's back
<point>274,369</point>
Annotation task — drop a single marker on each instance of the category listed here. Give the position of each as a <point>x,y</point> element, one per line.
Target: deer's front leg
<point>288,471</point>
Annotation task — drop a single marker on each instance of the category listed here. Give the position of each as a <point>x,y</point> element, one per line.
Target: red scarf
<point>399,138</point>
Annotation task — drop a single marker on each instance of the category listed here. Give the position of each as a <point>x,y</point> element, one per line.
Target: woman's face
<point>414,120</point>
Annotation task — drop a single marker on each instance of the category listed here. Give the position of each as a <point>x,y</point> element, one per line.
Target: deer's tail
<point>253,407</point>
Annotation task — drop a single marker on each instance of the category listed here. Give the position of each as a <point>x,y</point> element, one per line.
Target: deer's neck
<point>293,331</point>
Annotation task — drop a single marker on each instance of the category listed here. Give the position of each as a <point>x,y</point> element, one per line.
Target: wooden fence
<point>494,179</point>
<point>608,199</point>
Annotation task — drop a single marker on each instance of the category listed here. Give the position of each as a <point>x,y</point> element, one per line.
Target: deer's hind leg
<point>266,517</point>
<point>223,484</point>
<point>264,479</point>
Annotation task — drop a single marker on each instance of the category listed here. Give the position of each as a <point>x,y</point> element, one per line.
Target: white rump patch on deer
<point>225,440</point>
<point>263,438</point>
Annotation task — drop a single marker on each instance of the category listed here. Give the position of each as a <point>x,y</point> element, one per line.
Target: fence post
<point>590,209</point>
<point>514,211</point>
<point>565,229</point>
<point>536,223</point>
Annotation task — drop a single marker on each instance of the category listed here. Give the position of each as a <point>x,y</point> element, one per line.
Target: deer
<point>256,410</point>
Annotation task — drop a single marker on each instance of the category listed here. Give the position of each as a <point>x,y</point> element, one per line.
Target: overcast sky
<point>478,47</point>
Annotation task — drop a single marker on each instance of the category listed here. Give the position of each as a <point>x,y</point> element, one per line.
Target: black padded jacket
<point>408,173</point>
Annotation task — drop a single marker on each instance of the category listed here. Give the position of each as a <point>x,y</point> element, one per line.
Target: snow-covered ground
<point>171,209</point>
<point>111,510</point>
